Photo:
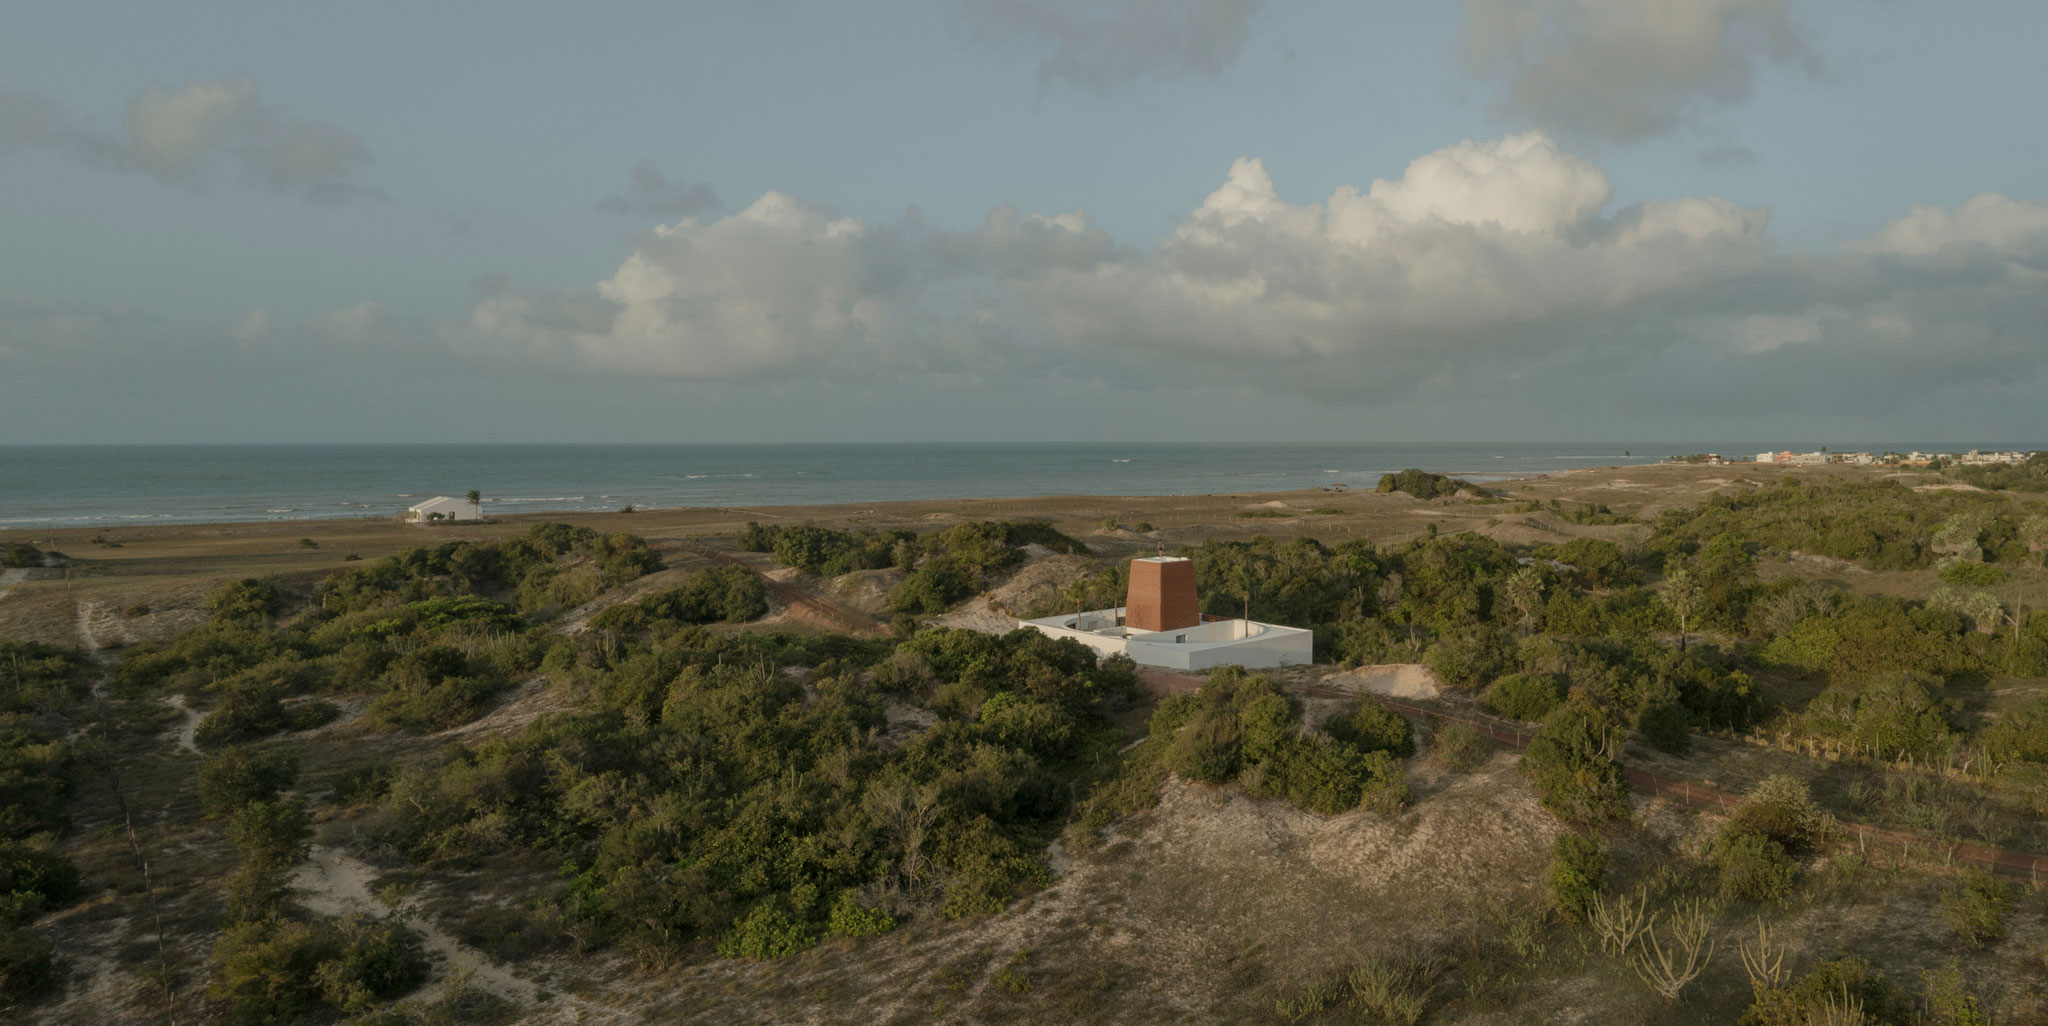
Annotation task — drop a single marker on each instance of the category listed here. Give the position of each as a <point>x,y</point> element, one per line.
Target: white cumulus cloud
<point>1499,264</point>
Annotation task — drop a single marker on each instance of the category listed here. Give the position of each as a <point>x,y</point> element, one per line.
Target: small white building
<point>1206,646</point>
<point>441,507</point>
<point>1160,626</point>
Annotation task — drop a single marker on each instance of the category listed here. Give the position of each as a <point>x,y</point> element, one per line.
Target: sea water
<point>110,485</point>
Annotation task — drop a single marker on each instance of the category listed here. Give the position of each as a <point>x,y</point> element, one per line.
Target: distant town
<point>1973,458</point>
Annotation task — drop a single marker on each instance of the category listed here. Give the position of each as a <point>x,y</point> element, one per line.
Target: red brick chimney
<point>1162,595</point>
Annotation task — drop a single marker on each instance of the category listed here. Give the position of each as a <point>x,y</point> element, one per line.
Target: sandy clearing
<point>333,883</point>
<point>186,732</point>
<point>526,702</point>
<point>1394,680</point>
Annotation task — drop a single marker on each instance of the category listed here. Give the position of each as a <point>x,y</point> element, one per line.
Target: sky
<point>1789,221</point>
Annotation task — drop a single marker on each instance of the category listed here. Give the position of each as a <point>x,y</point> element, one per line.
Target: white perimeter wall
<point>1276,646</point>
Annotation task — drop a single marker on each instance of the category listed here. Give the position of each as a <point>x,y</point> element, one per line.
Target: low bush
<point>1577,870</point>
<point>1524,696</point>
<point>234,777</point>
<point>1752,866</point>
<point>1373,727</point>
<point>1977,910</point>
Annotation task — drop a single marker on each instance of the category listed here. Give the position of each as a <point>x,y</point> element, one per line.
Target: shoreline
<point>148,522</point>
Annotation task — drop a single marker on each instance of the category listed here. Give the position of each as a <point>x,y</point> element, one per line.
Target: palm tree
<point>476,503</point>
<point>1681,591</point>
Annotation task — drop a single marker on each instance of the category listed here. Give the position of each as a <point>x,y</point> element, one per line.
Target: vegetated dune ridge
<point>153,578</point>
<point>1213,906</point>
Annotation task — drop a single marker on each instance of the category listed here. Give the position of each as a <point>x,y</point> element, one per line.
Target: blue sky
<point>1015,219</point>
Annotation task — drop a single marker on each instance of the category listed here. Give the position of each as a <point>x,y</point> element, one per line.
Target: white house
<point>441,507</point>
<point>1159,625</point>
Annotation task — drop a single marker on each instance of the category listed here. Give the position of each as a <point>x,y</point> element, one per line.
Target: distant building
<point>1161,624</point>
<point>442,507</point>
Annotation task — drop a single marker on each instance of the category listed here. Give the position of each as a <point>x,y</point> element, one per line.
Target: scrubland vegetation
<point>700,790</point>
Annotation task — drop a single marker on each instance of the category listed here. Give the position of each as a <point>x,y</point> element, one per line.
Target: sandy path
<point>187,731</point>
<point>332,883</point>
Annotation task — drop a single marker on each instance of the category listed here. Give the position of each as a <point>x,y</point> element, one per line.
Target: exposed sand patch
<point>1394,680</point>
<point>1947,486</point>
<point>526,703</point>
<point>867,590</point>
<point>979,614</point>
<point>188,730</point>
<point>334,884</point>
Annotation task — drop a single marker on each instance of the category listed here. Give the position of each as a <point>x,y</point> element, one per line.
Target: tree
<point>1524,591</point>
<point>476,503</point>
<point>1683,595</point>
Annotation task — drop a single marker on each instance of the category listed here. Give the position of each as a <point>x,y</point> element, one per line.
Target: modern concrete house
<point>1160,624</point>
<point>442,507</point>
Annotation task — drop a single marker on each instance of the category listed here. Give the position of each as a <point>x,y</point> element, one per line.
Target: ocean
<point>116,484</point>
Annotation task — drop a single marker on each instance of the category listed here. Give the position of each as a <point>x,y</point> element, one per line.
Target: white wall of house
<point>1207,646</point>
<point>450,509</point>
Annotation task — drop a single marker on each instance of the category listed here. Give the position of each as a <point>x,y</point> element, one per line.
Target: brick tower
<point>1162,595</point>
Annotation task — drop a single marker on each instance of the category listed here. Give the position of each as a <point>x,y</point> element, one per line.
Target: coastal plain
<point>1212,904</point>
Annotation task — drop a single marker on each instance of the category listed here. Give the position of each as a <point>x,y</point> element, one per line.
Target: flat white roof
<point>1160,559</point>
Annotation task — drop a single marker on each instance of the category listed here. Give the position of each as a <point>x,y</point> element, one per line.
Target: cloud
<point>1625,69</point>
<point>2002,224</point>
<point>195,134</point>
<point>1480,254</point>
<point>649,193</point>
<point>781,286</point>
<point>1499,268</point>
<point>1099,46</point>
<point>255,326</point>
<point>353,323</point>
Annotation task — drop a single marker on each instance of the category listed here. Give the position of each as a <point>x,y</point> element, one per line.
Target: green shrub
<point>1666,727</point>
<point>1205,750</point>
<point>1327,776</point>
<point>1524,696</point>
<point>1577,870</point>
<point>376,961</point>
<point>237,776</point>
<point>1421,483</point>
<point>769,930</point>
<point>1978,908</point>
<point>30,968</point>
<point>850,919</point>
<point>34,879</point>
<point>1831,995</point>
<point>266,970</point>
<point>933,587</point>
<point>20,554</point>
<point>1373,727</point>
<point>1973,575</point>
<point>1780,808</point>
<point>271,834</point>
<point>1571,760</point>
<point>1461,747</point>
<point>250,600</point>
<point>1470,657</point>
<point>733,594</point>
<point>1752,866</point>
